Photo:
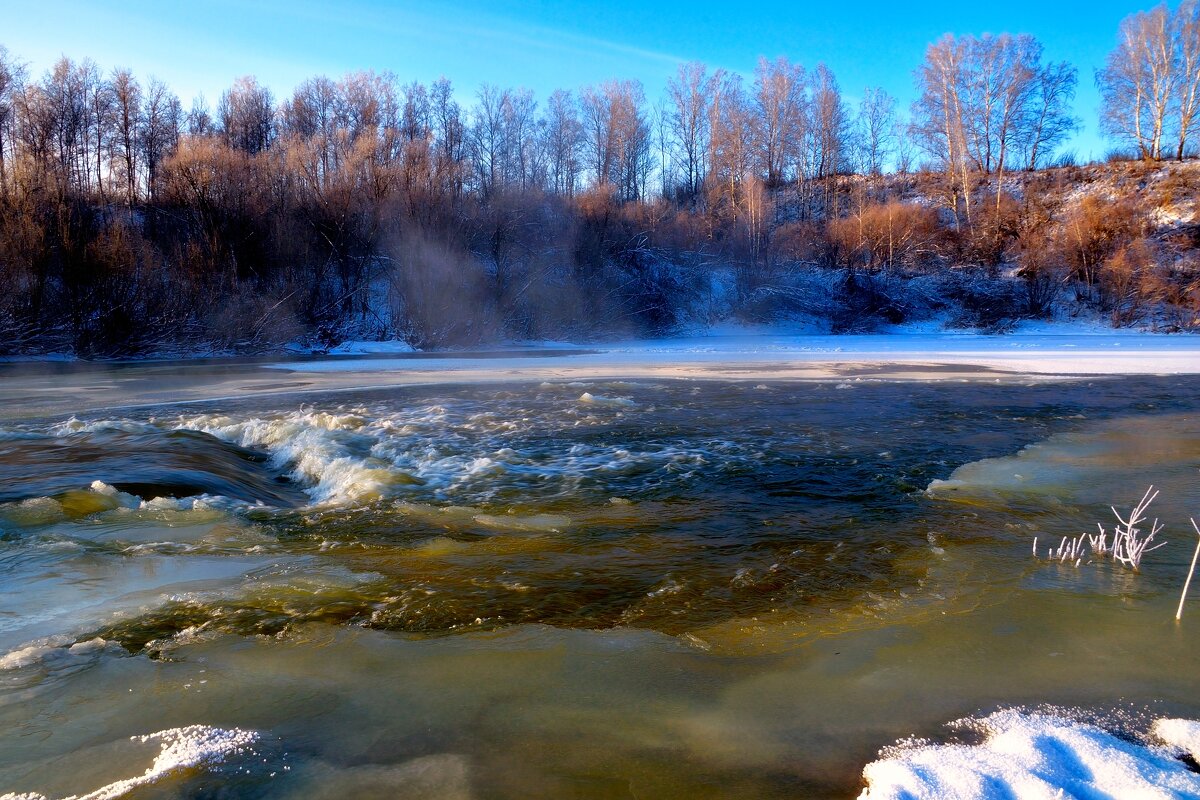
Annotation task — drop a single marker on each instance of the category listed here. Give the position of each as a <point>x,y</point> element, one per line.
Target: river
<point>711,586</point>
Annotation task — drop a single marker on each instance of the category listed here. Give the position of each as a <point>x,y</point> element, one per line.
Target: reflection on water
<point>601,589</point>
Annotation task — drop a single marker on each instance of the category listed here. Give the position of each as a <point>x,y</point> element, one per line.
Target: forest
<point>369,207</point>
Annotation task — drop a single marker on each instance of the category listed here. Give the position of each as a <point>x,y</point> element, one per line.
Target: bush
<point>887,237</point>
<point>982,300</point>
<point>1094,230</point>
<point>1130,279</point>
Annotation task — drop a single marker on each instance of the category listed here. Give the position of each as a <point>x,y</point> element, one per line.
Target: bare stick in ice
<point>1188,582</point>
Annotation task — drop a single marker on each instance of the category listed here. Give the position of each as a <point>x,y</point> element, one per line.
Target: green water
<point>602,589</point>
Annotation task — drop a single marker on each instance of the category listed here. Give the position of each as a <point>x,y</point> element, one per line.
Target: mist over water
<point>589,589</point>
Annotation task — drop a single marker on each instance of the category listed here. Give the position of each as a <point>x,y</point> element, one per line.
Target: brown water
<point>601,589</point>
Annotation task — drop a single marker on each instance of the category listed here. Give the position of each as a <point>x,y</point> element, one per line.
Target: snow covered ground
<point>360,348</point>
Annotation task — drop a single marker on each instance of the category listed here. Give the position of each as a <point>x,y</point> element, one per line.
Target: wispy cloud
<point>455,26</point>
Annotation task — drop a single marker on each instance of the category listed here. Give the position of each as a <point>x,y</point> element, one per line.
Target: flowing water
<point>575,589</point>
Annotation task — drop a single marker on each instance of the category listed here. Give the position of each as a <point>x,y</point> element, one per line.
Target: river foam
<point>190,747</point>
<point>1040,756</point>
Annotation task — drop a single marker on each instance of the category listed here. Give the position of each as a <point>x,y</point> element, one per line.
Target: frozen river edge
<point>32,389</point>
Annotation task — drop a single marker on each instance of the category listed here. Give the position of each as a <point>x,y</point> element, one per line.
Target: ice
<point>550,523</point>
<point>1038,350</point>
<point>601,400</point>
<point>57,652</point>
<point>1030,756</point>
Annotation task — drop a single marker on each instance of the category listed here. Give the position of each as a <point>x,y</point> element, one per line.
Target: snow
<point>1182,734</point>
<point>1025,756</point>
<point>366,348</point>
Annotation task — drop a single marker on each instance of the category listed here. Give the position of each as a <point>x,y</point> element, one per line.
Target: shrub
<point>1093,230</point>
<point>890,236</point>
<point>1129,279</point>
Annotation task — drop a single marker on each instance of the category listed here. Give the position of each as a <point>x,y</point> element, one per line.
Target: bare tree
<point>370,106</point>
<point>617,136</point>
<point>522,145</point>
<point>415,120</point>
<point>876,128</point>
<point>780,117</point>
<point>450,134</point>
<point>1049,117</point>
<point>64,91</point>
<point>99,119</point>
<point>830,125</point>
<point>1137,82</point>
<point>938,124</point>
<point>687,124</point>
<point>904,147</point>
<point>985,101</point>
<point>489,150</point>
<point>159,132</point>
<point>313,116</point>
<point>562,132</point>
<point>730,144</point>
<point>247,115</point>
<point>1186,32</point>
<point>1010,66</point>
<point>11,77</point>
<point>127,94</point>
<point>199,121</point>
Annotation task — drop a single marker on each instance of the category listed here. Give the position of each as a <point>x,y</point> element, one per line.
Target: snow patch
<point>1182,734</point>
<point>1030,756</point>
<point>366,348</point>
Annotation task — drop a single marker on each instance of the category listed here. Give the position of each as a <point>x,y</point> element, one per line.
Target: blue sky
<point>201,47</point>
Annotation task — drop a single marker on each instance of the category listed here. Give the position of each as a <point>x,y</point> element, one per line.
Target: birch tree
<point>780,111</point>
<point>687,123</point>
<point>562,131</point>
<point>876,128</point>
<point>1186,31</point>
<point>1138,80</point>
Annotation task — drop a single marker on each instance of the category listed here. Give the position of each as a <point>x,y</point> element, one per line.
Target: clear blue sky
<point>201,47</point>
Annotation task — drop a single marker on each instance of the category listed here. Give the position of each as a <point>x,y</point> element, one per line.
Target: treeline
<point>367,206</point>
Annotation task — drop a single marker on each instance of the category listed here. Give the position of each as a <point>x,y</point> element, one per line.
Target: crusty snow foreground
<point>1029,756</point>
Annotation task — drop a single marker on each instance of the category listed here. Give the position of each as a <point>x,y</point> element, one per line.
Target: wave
<point>461,452</point>
<point>358,455</point>
<point>148,461</point>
